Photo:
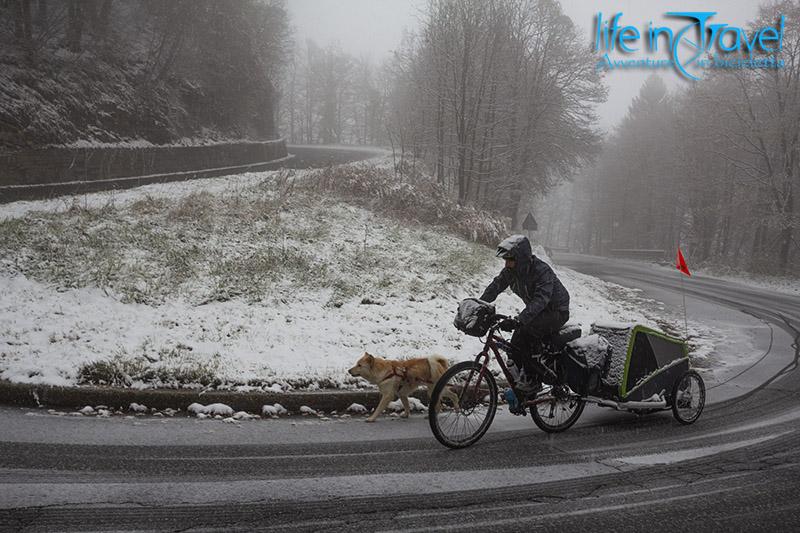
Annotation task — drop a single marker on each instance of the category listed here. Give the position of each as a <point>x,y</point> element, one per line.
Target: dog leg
<point>385,399</point>
<point>406,405</point>
<point>446,393</point>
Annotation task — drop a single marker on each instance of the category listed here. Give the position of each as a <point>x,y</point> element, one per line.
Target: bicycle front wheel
<point>463,404</point>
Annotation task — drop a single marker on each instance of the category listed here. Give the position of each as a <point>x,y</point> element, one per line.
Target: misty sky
<point>373,28</point>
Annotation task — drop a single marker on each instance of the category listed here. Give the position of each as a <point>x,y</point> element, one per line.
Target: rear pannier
<point>584,362</point>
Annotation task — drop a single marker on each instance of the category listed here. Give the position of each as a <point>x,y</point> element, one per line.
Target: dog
<point>399,378</point>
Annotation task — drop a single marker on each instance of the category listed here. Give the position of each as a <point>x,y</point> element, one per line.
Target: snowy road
<point>736,469</point>
<point>316,156</point>
<point>301,156</point>
<point>770,319</point>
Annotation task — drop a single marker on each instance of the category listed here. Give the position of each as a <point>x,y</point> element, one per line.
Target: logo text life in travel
<point>687,43</point>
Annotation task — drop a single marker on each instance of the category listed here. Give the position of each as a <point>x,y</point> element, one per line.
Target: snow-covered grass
<point>243,281</point>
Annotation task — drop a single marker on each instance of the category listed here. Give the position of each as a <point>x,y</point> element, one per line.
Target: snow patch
<point>414,404</point>
<point>356,408</point>
<point>593,348</point>
<point>137,408</point>
<point>214,409</point>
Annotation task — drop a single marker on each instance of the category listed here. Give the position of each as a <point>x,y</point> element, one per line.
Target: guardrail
<point>51,171</point>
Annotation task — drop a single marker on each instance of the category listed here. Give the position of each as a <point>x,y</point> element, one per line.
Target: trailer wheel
<point>688,397</point>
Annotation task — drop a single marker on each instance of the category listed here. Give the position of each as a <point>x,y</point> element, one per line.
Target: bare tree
<point>504,92</point>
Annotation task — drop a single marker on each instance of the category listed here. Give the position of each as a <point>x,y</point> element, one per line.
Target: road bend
<point>735,469</point>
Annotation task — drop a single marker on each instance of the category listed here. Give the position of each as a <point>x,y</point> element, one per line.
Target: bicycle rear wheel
<point>462,405</point>
<point>560,413</point>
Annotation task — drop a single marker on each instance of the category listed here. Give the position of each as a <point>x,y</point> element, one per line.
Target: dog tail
<point>438,366</point>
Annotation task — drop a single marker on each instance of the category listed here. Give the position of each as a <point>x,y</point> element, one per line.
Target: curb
<point>28,395</point>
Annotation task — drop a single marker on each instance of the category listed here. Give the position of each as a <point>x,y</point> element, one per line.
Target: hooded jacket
<point>531,279</point>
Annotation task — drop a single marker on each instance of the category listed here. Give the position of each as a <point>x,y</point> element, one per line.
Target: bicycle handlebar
<point>496,319</point>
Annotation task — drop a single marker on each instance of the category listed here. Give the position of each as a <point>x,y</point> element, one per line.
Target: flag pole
<point>685,321</point>
<point>680,263</point>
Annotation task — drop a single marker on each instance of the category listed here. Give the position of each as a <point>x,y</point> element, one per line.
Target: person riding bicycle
<point>546,305</point>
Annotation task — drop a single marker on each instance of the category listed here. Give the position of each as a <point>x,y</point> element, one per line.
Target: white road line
<point>789,416</point>
<point>288,489</point>
<point>282,457</point>
<point>512,506</point>
<point>330,487</point>
<point>608,508</point>
<point>677,456</point>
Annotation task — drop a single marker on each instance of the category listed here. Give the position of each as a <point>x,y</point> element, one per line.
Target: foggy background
<point>498,105</point>
<point>374,28</point>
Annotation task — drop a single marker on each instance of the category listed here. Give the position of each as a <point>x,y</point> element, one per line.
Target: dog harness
<point>395,374</point>
<point>403,375</point>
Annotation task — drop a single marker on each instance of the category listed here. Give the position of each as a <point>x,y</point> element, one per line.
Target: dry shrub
<point>197,206</point>
<point>149,205</point>
<point>409,196</point>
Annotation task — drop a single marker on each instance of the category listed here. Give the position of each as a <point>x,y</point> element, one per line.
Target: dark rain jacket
<point>532,280</point>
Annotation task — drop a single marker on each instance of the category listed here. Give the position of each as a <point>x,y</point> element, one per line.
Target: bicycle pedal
<point>518,410</point>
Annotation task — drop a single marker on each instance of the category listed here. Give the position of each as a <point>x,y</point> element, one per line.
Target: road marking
<point>781,419</point>
<point>321,488</point>
<point>283,457</point>
<point>512,506</point>
<point>676,456</point>
<point>288,489</point>
<point>516,521</point>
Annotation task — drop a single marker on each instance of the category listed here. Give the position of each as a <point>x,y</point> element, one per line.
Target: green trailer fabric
<point>644,362</point>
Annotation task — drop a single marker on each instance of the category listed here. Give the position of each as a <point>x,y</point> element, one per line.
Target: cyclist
<point>546,305</point>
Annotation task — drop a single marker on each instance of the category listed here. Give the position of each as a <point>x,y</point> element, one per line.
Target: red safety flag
<point>681,264</point>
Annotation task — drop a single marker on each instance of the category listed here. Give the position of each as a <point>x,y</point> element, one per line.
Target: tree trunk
<point>19,32</point>
<point>22,27</point>
<point>41,14</point>
<point>786,235</point>
<point>74,25</point>
<point>440,138</point>
<point>102,19</point>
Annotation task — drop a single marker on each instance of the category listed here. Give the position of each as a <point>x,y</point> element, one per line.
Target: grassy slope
<point>256,253</point>
<point>242,281</point>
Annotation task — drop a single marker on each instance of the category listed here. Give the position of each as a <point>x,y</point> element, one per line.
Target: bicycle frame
<point>494,343</point>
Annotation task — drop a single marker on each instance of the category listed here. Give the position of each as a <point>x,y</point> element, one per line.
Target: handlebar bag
<point>474,317</point>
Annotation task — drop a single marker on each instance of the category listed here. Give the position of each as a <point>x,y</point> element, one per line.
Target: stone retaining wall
<point>50,171</point>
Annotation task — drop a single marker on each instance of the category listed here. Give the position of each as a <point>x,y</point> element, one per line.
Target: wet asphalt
<point>735,469</point>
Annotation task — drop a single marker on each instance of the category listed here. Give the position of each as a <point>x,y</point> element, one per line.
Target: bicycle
<point>650,373</point>
<point>464,400</point>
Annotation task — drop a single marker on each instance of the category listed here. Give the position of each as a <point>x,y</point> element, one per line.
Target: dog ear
<point>369,357</point>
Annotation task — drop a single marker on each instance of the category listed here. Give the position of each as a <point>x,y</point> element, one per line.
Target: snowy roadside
<point>782,284</point>
<point>223,282</point>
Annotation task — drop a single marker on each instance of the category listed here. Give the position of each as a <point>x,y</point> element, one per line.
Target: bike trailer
<point>643,363</point>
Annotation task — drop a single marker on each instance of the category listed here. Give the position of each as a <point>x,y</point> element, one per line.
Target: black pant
<point>527,339</point>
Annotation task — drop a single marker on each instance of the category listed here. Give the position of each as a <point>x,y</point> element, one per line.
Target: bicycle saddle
<point>568,333</point>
